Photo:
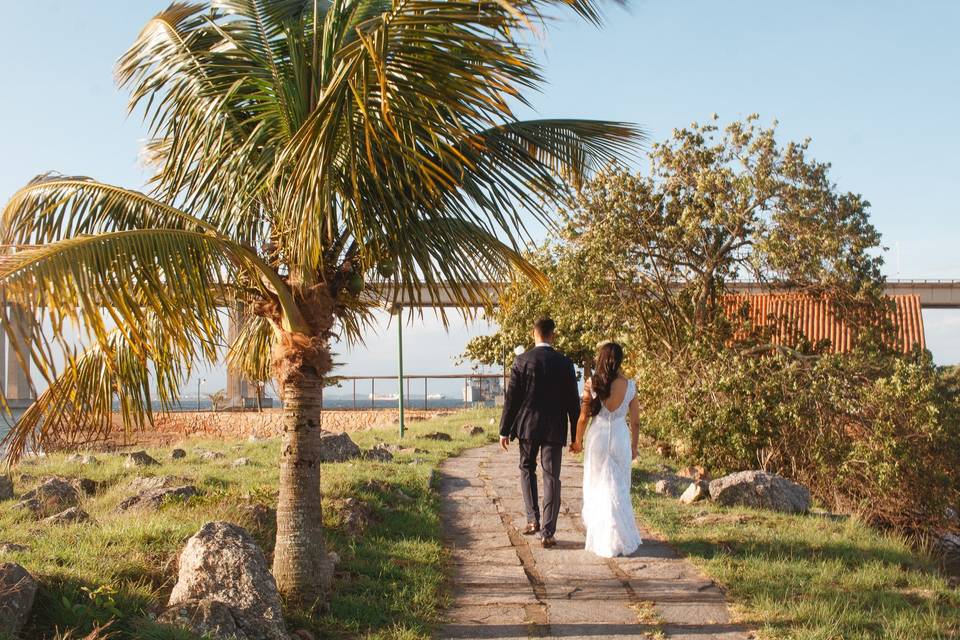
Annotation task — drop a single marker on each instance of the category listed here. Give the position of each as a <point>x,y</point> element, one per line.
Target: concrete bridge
<point>933,294</point>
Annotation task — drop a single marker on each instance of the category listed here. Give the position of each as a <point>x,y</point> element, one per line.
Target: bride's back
<point>618,396</point>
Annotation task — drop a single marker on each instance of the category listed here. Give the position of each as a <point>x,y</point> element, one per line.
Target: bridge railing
<point>381,392</point>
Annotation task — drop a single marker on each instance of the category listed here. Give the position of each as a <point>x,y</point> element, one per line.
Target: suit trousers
<point>551,455</point>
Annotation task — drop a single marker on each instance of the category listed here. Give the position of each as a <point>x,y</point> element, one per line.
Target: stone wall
<point>237,424</point>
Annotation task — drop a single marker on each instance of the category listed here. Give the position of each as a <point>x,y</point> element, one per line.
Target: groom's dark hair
<point>545,327</point>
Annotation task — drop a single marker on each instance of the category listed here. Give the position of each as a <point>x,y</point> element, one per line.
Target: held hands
<point>576,447</point>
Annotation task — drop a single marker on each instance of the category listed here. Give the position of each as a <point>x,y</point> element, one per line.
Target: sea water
<point>6,421</point>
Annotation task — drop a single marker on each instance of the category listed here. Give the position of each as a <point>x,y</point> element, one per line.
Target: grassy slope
<point>789,576</point>
<point>391,578</point>
<point>809,577</point>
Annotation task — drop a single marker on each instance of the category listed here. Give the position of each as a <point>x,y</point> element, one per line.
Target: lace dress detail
<point>607,508</point>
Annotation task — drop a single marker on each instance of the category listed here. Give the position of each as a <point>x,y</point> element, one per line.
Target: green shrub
<point>869,432</point>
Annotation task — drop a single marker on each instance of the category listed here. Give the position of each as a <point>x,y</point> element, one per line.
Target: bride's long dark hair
<point>609,359</point>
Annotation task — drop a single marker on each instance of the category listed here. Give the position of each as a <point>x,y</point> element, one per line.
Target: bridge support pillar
<point>19,391</point>
<point>240,391</point>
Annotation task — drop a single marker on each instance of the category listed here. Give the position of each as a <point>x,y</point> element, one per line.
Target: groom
<point>542,403</point>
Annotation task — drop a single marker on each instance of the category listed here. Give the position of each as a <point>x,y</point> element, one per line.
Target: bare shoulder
<point>619,384</point>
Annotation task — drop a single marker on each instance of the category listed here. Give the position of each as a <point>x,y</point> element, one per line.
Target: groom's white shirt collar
<point>544,344</point>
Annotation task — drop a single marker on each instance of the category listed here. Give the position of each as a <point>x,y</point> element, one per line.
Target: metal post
<point>373,394</point>
<point>425,393</point>
<point>354,393</point>
<point>400,363</point>
<point>465,392</point>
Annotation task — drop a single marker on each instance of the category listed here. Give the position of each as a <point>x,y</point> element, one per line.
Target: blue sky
<point>873,83</point>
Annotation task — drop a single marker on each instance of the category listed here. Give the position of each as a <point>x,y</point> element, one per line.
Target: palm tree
<point>301,149</point>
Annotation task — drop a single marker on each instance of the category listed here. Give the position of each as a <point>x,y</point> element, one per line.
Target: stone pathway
<point>507,586</point>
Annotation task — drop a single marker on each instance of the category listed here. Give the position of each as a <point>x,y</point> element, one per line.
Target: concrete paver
<point>507,586</point>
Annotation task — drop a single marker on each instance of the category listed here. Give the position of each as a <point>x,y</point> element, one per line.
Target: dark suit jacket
<point>542,401</point>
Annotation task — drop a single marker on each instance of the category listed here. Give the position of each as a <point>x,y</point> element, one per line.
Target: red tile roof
<point>816,319</point>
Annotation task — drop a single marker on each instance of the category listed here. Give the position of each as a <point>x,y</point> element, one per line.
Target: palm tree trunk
<point>300,563</point>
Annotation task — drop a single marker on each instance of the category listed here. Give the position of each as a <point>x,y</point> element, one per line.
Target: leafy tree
<point>646,258</point>
<point>300,149</point>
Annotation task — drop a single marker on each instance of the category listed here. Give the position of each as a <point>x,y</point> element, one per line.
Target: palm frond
<point>537,151</point>
<point>203,98</point>
<point>53,207</point>
<point>249,354</point>
<point>462,270</point>
<point>77,407</point>
<point>404,125</point>
<point>121,279</point>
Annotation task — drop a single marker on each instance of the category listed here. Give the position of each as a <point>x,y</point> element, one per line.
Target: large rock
<point>337,447</point>
<point>6,487</point>
<point>948,545</point>
<point>209,456</point>
<point>146,483</point>
<point>73,515</point>
<point>85,486</point>
<point>224,587</point>
<point>668,484</point>
<point>380,451</point>
<point>762,490</point>
<point>139,459</point>
<point>17,591</point>
<point>206,618</point>
<point>156,497</point>
<point>439,436</point>
<point>473,429</point>
<point>52,496</point>
<point>698,490</point>
<point>7,548</point>
<point>176,454</point>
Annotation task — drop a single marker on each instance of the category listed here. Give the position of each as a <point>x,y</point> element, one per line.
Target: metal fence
<point>474,391</point>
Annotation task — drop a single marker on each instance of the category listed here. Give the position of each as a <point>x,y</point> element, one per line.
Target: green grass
<point>389,582</point>
<point>806,577</point>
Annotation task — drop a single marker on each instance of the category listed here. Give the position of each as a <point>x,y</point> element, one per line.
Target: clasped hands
<point>577,447</point>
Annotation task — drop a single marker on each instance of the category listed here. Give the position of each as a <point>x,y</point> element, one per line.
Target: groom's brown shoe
<point>531,529</point>
<point>549,542</point>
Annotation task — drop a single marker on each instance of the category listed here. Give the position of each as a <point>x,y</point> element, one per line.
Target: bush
<point>869,432</point>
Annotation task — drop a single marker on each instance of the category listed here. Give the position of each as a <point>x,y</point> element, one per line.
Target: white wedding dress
<point>607,509</point>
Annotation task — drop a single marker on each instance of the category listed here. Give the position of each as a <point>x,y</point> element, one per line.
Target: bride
<point>610,447</point>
